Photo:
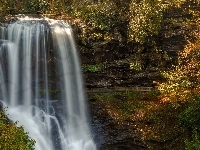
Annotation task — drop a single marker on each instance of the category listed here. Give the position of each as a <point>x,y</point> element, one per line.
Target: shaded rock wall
<point>157,53</point>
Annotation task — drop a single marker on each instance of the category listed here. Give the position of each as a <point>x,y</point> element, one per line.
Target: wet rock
<point>1,106</point>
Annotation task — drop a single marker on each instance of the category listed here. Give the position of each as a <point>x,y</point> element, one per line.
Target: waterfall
<point>41,83</point>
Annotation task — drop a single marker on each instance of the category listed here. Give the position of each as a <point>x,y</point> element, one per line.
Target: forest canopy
<point>140,18</point>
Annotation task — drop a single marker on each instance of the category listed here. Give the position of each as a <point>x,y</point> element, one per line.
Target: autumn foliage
<point>13,137</point>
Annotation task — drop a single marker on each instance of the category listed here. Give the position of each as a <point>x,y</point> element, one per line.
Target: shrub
<point>13,137</point>
<point>92,68</point>
<point>193,144</point>
<point>190,116</point>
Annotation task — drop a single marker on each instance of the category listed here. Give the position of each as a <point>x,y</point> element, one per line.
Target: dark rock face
<point>110,134</point>
<point>1,106</point>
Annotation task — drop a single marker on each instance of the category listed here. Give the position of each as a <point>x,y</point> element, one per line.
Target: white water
<point>27,49</point>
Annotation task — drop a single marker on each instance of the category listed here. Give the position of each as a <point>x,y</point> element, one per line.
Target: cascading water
<point>37,58</point>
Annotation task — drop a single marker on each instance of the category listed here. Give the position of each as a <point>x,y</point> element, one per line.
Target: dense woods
<point>160,36</point>
<point>138,19</point>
